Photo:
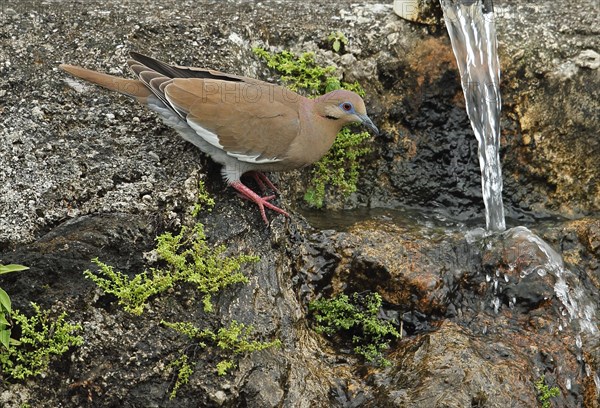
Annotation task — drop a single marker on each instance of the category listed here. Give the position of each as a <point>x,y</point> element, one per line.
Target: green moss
<point>188,258</point>
<point>298,72</point>
<point>132,293</point>
<point>184,371</point>
<point>233,340</point>
<point>356,317</point>
<point>236,337</point>
<point>545,393</point>
<point>192,260</point>
<point>224,366</point>
<point>203,200</point>
<point>41,338</point>
<point>339,169</point>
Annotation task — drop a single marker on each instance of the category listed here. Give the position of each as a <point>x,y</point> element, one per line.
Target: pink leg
<point>256,177</point>
<point>262,202</point>
<point>262,179</point>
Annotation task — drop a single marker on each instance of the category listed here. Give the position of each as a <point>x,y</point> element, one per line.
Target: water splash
<point>579,308</point>
<point>470,24</point>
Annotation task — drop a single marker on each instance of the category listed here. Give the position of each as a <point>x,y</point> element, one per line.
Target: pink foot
<point>261,180</point>
<point>262,202</point>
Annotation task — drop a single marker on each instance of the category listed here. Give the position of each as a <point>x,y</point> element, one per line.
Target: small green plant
<point>6,308</point>
<point>340,167</point>
<point>189,259</point>
<point>356,316</point>
<point>192,260</point>
<point>41,338</point>
<point>233,340</point>
<point>224,366</point>
<point>11,268</point>
<point>203,200</point>
<point>184,371</point>
<point>545,393</point>
<point>337,39</point>
<point>132,293</point>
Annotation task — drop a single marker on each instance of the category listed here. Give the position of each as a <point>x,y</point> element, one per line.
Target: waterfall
<point>470,24</point>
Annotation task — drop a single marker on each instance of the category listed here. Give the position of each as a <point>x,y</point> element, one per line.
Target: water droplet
<point>496,304</point>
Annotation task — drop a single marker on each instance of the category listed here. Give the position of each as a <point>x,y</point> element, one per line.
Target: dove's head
<point>344,107</point>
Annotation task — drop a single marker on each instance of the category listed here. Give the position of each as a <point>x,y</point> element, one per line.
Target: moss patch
<point>356,317</point>
<point>236,339</point>
<point>188,258</point>
<point>41,337</point>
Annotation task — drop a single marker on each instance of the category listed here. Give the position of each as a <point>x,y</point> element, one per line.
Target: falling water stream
<point>472,31</point>
<point>471,28</point>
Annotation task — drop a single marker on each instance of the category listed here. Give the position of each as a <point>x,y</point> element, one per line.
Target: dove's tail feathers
<point>130,87</point>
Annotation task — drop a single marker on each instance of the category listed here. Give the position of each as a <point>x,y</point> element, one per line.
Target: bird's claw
<point>262,202</point>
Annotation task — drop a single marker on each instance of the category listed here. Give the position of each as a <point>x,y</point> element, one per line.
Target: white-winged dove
<point>244,124</point>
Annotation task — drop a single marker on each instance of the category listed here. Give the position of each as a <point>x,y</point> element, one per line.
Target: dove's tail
<point>130,87</point>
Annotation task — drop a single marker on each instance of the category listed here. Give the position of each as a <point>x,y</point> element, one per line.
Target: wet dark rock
<point>452,367</point>
<point>124,358</point>
<point>478,316</point>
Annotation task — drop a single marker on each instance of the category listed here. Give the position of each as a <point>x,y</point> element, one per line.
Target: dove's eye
<point>347,107</point>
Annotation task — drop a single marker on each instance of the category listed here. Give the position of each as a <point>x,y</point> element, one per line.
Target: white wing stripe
<point>207,135</point>
<point>253,159</point>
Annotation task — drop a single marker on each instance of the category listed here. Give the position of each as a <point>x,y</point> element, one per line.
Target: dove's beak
<point>369,123</point>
